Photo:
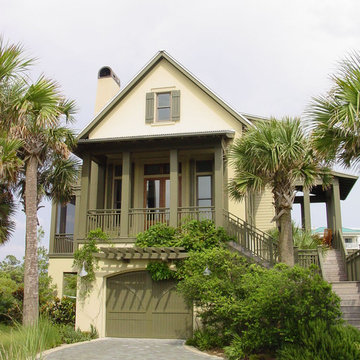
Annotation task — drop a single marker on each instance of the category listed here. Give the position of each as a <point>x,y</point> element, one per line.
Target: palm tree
<point>10,165</point>
<point>34,116</point>
<point>275,154</point>
<point>335,117</point>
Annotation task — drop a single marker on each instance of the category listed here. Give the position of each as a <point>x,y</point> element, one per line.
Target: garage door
<point>136,306</point>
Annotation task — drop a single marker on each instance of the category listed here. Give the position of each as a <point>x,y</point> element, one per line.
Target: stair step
<point>350,309</point>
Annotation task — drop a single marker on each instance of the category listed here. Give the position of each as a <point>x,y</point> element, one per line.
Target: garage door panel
<point>172,325</point>
<point>140,307</point>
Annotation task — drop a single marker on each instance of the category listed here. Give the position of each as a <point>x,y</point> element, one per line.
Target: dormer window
<point>162,107</point>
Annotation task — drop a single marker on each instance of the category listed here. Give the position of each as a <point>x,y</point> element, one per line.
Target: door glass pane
<point>204,187</point>
<point>66,217</point>
<point>152,193</point>
<point>117,194</point>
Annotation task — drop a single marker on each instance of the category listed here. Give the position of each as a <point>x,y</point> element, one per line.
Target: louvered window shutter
<point>149,112</point>
<point>175,105</point>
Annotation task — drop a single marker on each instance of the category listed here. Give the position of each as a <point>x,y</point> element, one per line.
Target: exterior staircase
<point>349,291</point>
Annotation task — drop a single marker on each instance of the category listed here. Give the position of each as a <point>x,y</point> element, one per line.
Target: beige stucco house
<point>154,152</point>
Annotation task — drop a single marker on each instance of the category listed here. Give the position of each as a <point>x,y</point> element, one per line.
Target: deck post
<point>84,197</point>
<point>174,187</point>
<point>126,195</point>
<point>219,185</point>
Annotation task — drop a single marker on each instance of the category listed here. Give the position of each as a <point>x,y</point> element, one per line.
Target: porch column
<point>219,185</point>
<point>84,197</point>
<point>125,194</point>
<point>336,205</point>
<point>93,185</point>
<point>100,197</point>
<point>53,224</point>
<point>306,223</point>
<point>174,187</point>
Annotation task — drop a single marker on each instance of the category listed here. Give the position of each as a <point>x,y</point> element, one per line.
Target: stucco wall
<point>198,112</point>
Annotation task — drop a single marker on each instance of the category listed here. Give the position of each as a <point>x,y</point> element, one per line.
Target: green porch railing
<point>195,213</point>
<point>108,220</point>
<point>353,266</point>
<point>307,257</point>
<point>259,243</point>
<point>140,219</point>
<point>63,244</point>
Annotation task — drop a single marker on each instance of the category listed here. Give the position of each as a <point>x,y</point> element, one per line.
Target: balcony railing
<point>63,243</point>
<point>140,219</point>
<point>195,213</point>
<point>108,220</point>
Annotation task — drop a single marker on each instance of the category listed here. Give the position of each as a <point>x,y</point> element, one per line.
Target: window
<point>162,107</point>
<point>117,186</point>
<point>348,240</point>
<point>204,171</point>
<point>66,217</point>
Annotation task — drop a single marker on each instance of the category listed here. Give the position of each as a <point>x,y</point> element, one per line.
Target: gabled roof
<point>161,55</point>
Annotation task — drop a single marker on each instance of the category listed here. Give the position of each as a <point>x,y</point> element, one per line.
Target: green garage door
<point>136,306</point>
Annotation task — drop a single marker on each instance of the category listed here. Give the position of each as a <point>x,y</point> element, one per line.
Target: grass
<point>25,342</point>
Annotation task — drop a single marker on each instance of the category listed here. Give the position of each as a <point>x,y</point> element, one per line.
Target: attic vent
<point>104,72</point>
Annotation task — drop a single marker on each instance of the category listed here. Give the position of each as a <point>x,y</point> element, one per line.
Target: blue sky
<point>263,57</point>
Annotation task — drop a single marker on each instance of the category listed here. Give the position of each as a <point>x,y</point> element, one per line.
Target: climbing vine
<point>192,235</point>
<point>160,271</point>
<point>85,258</point>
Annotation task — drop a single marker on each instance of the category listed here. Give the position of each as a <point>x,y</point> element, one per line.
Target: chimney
<point>107,87</point>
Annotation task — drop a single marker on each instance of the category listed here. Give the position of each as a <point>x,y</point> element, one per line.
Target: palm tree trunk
<point>31,278</point>
<point>286,246</point>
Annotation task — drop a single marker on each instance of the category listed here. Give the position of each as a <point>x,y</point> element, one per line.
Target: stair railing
<point>258,242</point>
<point>339,244</point>
<point>352,266</point>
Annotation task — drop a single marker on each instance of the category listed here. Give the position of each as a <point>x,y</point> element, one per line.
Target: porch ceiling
<point>153,142</point>
<point>318,194</point>
<point>148,253</point>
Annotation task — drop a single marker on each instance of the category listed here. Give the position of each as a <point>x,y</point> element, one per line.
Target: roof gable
<point>161,55</point>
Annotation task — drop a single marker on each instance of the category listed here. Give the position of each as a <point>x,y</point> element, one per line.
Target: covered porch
<point>338,190</point>
<point>128,184</point>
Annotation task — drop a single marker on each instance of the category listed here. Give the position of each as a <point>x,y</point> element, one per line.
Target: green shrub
<point>193,235</point>
<point>214,295</point>
<point>318,341</point>
<point>60,311</point>
<point>69,335</point>
<point>205,339</point>
<point>157,235</point>
<point>276,301</point>
<point>200,235</point>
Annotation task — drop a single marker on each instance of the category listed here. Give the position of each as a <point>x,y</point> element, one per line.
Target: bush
<point>200,235</point>
<point>157,235</point>
<point>60,311</point>
<point>214,295</point>
<point>318,341</point>
<point>276,301</point>
<point>193,235</point>
<point>205,339</point>
<point>69,335</point>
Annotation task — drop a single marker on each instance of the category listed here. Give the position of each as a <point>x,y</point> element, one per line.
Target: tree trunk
<point>31,277</point>
<point>286,244</point>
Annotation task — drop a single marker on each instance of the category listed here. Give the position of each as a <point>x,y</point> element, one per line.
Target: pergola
<point>331,196</point>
